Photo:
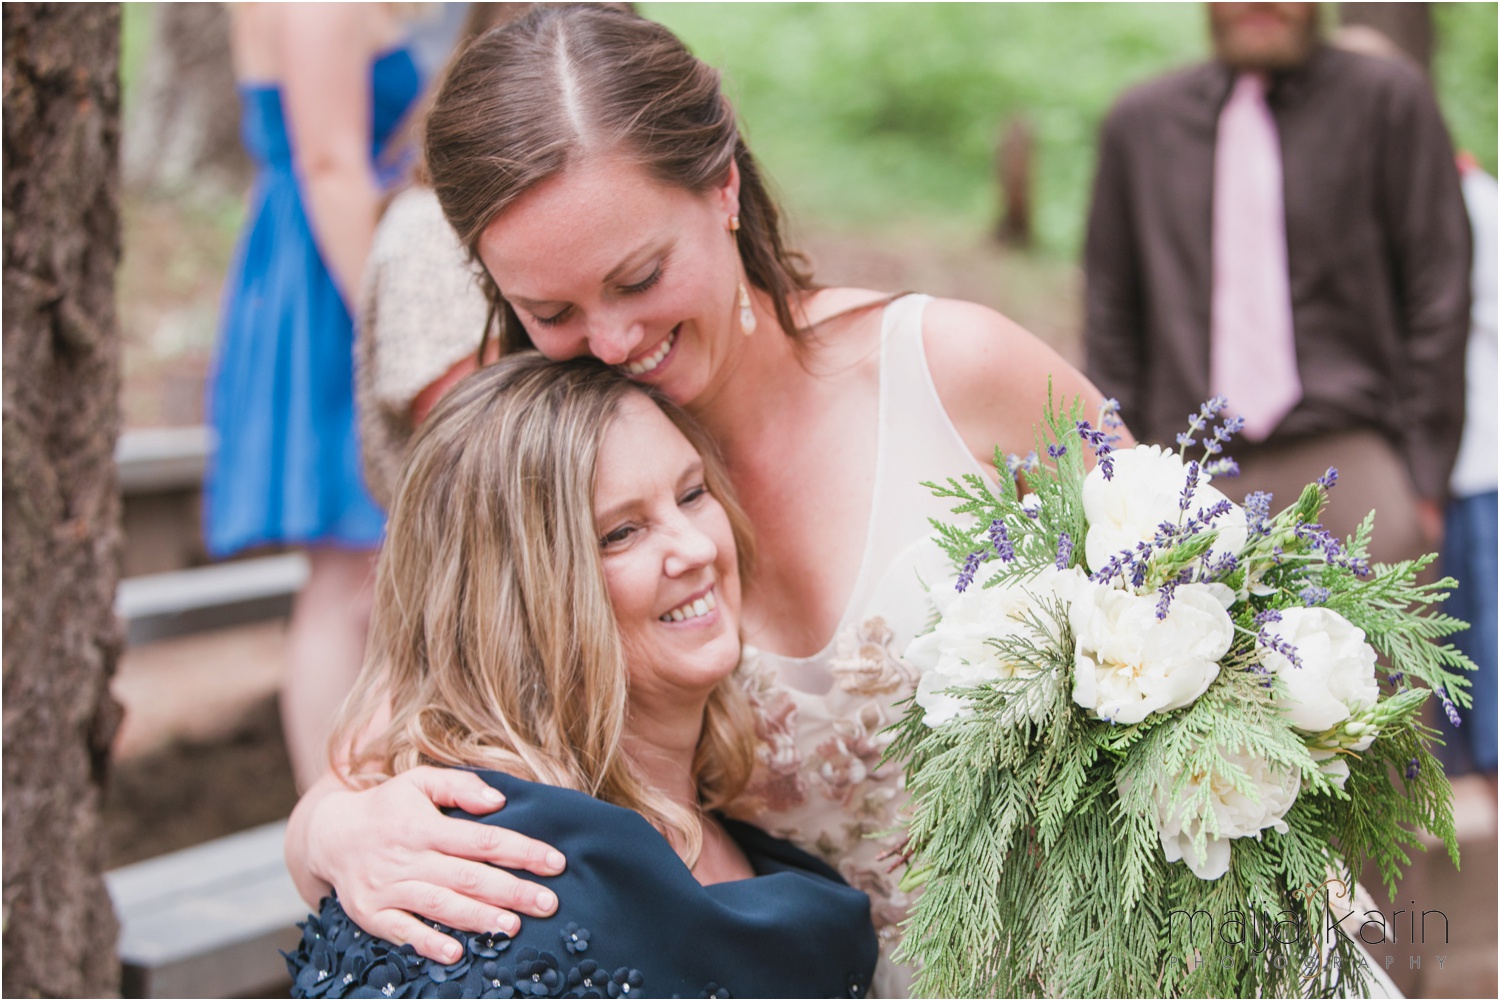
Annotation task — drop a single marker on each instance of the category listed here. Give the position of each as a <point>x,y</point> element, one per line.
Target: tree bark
<point>1409,25</point>
<point>61,502</point>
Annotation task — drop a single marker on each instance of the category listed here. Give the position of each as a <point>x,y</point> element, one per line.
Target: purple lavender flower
<point>1448,706</point>
<point>1164,603</point>
<point>1413,769</point>
<point>1113,568</point>
<point>1328,479</point>
<point>1185,439</point>
<point>1100,444</point>
<point>1190,486</point>
<point>1000,539</point>
<point>1272,642</point>
<point>1222,466</point>
<point>1057,451</point>
<point>1314,595</point>
<point>1064,551</point>
<point>966,575</point>
<point>1222,567</point>
<point>1205,516</point>
<point>1258,512</point>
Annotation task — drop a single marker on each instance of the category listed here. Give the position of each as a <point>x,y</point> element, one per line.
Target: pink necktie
<point>1253,362</point>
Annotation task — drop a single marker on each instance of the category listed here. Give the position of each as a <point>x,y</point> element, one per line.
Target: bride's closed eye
<point>644,285</point>
<point>647,283</point>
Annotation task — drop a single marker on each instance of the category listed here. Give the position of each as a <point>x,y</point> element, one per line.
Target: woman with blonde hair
<point>557,609</point>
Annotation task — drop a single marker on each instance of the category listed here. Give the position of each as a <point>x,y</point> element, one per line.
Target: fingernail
<point>510,924</point>
<point>556,861</point>
<point>451,953</point>
<point>546,900</point>
<point>494,796</point>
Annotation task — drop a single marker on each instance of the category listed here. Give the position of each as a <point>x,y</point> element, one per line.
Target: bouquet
<point>1155,726</point>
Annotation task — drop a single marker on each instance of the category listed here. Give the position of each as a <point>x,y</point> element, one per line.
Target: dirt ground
<point>192,791</point>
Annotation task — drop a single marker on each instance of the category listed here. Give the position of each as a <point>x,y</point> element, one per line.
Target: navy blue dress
<point>281,395</point>
<point>631,922</point>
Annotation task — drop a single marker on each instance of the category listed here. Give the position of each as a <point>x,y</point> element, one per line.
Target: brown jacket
<point>1377,247</point>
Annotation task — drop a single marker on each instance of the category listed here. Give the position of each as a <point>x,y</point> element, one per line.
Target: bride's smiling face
<point>603,260</point>
<point>669,559</point>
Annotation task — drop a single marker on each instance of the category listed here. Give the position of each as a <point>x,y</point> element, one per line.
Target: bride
<point>594,168</point>
<point>557,609</point>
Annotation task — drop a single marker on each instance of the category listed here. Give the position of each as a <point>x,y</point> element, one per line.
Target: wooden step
<point>161,605</point>
<point>207,921</point>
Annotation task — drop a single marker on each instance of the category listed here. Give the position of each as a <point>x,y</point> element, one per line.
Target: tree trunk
<point>61,503</point>
<point>1409,25</point>
<point>182,127</point>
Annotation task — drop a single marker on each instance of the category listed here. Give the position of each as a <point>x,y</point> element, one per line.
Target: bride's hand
<point>395,858</point>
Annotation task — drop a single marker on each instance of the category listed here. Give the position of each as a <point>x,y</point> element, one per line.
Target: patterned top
<point>818,780</point>
<point>631,922</point>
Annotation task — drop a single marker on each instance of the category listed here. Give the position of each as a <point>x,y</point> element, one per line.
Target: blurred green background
<point>874,113</point>
<point>877,124</point>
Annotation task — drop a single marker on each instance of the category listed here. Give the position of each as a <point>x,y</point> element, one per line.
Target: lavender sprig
<point>1000,539</point>
<point>1312,594</point>
<point>1064,551</point>
<point>971,567</point>
<point>1264,637</point>
<point>1258,512</point>
<point>1190,486</point>
<point>1448,707</point>
<point>1099,442</point>
<point>1164,602</point>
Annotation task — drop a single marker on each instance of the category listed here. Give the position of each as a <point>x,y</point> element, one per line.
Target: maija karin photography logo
<point>1284,936</point>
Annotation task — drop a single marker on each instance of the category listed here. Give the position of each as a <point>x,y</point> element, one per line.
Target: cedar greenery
<point>1042,868</point>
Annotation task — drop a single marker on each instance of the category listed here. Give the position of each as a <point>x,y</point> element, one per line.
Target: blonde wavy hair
<point>493,641</point>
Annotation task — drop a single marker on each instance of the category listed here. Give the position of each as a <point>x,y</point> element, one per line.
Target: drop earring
<point>747,315</point>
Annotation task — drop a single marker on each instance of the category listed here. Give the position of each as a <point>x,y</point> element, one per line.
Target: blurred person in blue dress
<point>557,607</point>
<point>323,88</point>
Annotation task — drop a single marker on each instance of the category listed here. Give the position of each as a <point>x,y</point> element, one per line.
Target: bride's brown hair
<point>573,80</point>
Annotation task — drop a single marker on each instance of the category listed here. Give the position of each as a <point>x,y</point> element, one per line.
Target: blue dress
<point>281,398</point>
<point>631,922</point>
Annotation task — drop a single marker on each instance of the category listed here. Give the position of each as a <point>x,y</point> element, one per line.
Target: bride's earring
<point>747,315</point>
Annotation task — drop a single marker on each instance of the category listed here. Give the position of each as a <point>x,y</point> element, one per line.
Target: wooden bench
<point>207,921</point>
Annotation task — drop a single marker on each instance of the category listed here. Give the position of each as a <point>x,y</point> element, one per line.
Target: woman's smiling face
<point>603,260</point>
<point>669,559</point>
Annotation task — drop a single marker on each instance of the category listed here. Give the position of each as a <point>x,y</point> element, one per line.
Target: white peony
<point>955,654</point>
<point>1235,814</point>
<point>1128,663</point>
<point>1146,490</point>
<point>1337,678</point>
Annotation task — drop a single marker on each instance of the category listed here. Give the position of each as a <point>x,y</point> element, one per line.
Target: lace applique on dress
<point>818,778</point>
<point>776,783</point>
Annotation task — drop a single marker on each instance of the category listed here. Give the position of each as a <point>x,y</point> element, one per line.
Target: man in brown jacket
<point>1366,293</point>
